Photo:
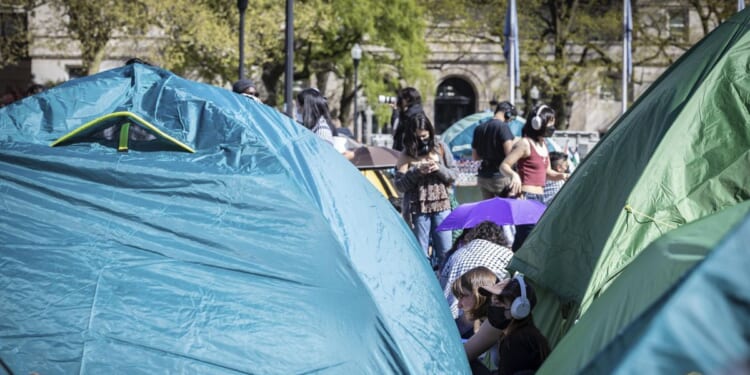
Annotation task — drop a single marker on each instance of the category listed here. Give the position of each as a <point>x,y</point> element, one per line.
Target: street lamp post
<point>242,6</point>
<point>356,56</point>
<point>289,63</point>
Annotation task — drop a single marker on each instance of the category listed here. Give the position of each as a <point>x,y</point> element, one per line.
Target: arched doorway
<point>455,99</point>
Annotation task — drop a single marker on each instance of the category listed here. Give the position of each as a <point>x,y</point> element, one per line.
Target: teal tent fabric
<point>679,154</point>
<point>460,135</point>
<point>263,251</point>
<point>643,284</point>
<point>702,325</point>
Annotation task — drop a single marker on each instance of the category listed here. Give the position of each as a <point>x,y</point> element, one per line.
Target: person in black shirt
<point>492,141</point>
<point>408,104</point>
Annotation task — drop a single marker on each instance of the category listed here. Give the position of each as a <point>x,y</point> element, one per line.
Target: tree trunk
<point>92,60</point>
<point>563,104</point>
<point>322,81</point>
<point>271,77</point>
<point>346,103</point>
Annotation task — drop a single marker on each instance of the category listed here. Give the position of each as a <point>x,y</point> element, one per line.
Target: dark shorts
<point>494,186</point>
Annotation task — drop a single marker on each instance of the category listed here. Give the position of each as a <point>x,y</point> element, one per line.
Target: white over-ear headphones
<point>536,121</point>
<point>521,307</point>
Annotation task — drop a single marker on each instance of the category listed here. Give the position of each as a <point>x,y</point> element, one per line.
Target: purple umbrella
<point>501,211</point>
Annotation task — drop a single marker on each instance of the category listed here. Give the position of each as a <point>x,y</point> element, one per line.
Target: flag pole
<point>289,59</point>
<point>512,36</point>
<point>512,67</point>
<point>624,56</point>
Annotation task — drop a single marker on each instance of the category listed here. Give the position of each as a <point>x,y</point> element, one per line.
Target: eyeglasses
<point>253,93</point>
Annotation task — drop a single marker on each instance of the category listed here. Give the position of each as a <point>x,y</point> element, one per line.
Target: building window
<point>75,71</point>
<point>677,24</point>
<point>12,24</point>
<point>13,34</point>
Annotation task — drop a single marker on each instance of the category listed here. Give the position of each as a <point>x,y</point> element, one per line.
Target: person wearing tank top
<point>531,158</point>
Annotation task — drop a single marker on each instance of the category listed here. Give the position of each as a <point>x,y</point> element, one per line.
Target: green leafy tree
<point>201,41</point>
<point>392,34</point>
<point>200,38</point>
<point>14,35</point>
<point>564,38</point>
<point>94,23</point>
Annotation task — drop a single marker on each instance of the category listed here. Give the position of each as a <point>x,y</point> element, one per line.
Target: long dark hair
<point>546,114</point>
<point>411,124</point>
<point>408,97</point>
<point>524,327</point>
<point>314,106</point>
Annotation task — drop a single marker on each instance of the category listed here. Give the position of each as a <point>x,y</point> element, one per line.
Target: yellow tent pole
<point>127,114</point>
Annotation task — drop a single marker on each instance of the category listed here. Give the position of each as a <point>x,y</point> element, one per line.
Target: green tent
<point>642,284</point>
<point>701,327</point>
<point>679,154</point>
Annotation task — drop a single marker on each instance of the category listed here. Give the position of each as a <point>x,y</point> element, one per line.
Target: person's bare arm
<point>482,340</point>
<point>508,147</point>
<point>520,150</point>
<point>555,175</point>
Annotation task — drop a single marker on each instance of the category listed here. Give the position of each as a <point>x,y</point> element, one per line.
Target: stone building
<point>468,73</point>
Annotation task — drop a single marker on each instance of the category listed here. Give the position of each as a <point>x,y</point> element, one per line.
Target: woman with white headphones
<point>531,158</point>
<point>522,347</point>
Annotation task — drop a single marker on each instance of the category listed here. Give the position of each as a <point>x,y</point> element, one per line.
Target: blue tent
<point>459,135</point>
<point>177,227</point>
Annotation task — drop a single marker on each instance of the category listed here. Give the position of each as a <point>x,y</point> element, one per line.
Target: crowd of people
<point>491,309</point>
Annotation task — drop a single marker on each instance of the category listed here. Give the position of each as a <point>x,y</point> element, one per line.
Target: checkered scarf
<point>474,254</point>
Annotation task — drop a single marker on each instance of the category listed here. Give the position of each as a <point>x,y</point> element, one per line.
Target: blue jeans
<point>424,230</point>
<point>523,231</point>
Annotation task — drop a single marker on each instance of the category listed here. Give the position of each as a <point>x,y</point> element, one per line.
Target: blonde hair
<point>468,284</point>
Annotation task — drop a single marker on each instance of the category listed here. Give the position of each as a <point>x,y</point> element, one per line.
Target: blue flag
<point>511,41</point>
